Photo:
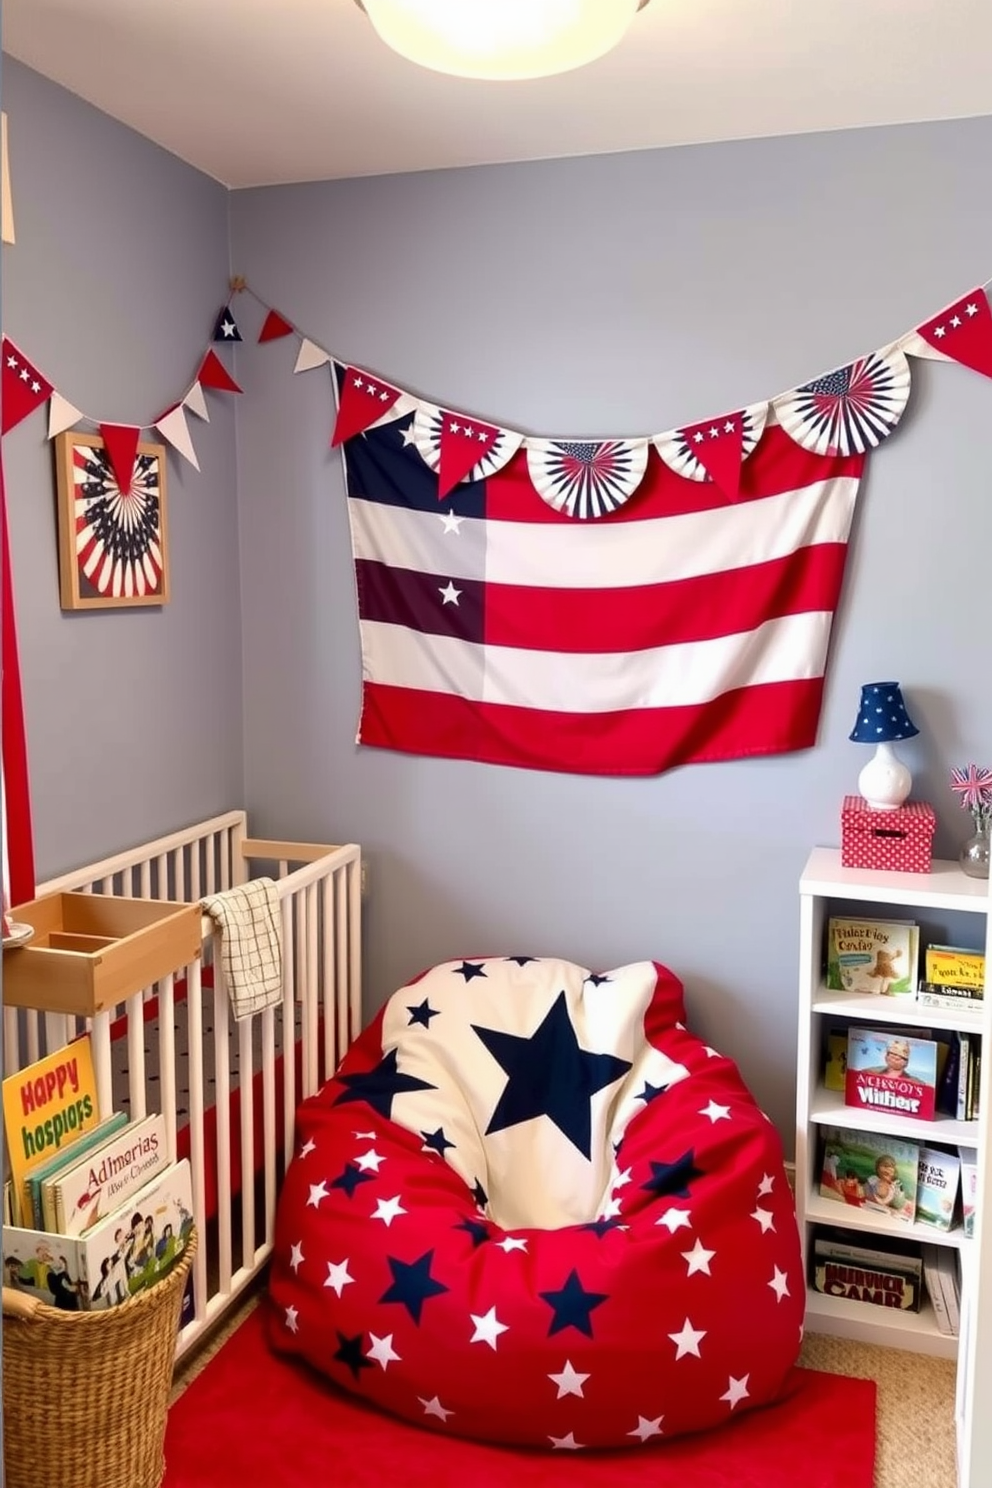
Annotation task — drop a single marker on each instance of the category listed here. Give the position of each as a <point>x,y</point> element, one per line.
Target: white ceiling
<point>255,92</point>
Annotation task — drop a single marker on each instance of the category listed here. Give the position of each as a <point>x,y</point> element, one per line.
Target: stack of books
<point>954,978</point>
<point>94,1211</point>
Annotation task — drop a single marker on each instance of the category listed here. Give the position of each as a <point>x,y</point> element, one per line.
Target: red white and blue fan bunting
<point>118,533</point>
<point>714,450</point>
<point>458,448</point>
<point>851,410</point>
<point>587,478</point>
<point>961,333</point>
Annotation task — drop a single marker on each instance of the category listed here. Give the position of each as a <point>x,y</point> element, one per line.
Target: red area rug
<point>253,1417</point>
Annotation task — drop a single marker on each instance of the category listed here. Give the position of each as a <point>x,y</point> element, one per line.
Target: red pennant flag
<point>274,326</point>
<point>213,374</point>
<point>122,449</point>
<point>464,442</point>
<point>363,400</point>
<point>963,332</point>
<point>16,794</point>
<point>719,447</point>
<point>22,387</point>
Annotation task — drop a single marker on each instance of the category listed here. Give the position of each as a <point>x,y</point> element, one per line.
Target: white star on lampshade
<point>292,1320</point>
<point>368,1160</point>
<point>433,1407</point>
<point>309,1146</point>
<point>565,1443</point>
<point>646,1429</point>
<point>687,1342</point>
<point>382,1350</point>
<point>715,1112</point>
<point>780,1284</point>
<point>569,1382</point>
<point>487,1328</point>
<point>698,1258</point>
<point>675,1219</point>
<point>318,1191</point>
<point>337,1276</point>
<point>765,1218</point>
<point>766,1185</point>
<point>388,1209</point>
<point>296,1256</point>
<point>736,1391</point>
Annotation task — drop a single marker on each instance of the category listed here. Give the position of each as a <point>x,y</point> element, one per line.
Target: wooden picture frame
<point>113,547</point>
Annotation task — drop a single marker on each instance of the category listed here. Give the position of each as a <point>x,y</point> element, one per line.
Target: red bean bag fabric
<point>531,1207</point>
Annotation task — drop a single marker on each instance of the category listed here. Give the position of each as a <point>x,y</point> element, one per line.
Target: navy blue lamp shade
<point>882,716</point>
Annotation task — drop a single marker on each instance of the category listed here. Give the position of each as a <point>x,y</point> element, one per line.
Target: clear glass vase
<point>975,852</point>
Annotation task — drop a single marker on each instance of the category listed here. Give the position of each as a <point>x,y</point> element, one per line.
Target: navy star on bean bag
<point>531,1207</point>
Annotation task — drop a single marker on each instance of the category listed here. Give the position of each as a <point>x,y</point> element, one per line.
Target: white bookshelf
<point>827,888</point>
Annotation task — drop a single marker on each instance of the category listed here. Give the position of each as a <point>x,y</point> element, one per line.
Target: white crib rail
<point>319,1014</point>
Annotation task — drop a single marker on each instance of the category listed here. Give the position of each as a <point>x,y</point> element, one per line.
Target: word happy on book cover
<point>891,1073</point>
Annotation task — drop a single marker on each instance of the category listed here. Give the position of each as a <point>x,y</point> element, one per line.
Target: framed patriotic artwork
<point>113,534</point>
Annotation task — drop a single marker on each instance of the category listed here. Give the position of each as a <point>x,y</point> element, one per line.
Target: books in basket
<point>870,1170</point>
<point>39,1179</point>
<point>125,1252</point>
<point>80,1194</point>
<point>47,1106</point>
<point>891,1072</point>
<point>880,956</point>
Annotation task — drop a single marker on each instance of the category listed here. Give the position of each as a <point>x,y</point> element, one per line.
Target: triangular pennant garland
<point>197,403</point>
<point>22,387</point>
<point>437,443</point>
<point>464,442</point>
<point>213,374</point>
<point>364,399</point>
<point>173,427</point>
<point>61,415</point>
<point>311,355</point>
<point>122,448</point>
<point>226,327</point>
<point>961,333</point>
<point>715,450</point>
<point>274,326</point>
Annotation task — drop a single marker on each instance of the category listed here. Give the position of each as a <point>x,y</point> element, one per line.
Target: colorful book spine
<point>955,966</point>
<point>42,1218</point>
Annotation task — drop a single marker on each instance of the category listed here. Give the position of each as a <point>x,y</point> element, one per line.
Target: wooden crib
<point>229,1091</point>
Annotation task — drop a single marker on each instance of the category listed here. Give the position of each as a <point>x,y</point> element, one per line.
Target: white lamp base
<point>885,781</point>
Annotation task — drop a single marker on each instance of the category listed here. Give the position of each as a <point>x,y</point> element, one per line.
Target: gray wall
<point>614,295</point>
<point>121,264</point>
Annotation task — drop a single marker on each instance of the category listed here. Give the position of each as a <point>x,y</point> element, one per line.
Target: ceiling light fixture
<point>501,40</point>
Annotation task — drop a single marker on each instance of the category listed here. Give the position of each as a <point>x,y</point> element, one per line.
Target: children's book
<point>78,1196</point>
<point>835,1070</point>
<point>937,1187</point>
<point>68,1157</point>
<point>878,956</point>
<point>891,1072</point>
<point>969,1187</point>
<point>47,1106</point>
<point>867,1274</point>
<point>954,966</point>
<point>128,1250</point>
<point>869,1170</point>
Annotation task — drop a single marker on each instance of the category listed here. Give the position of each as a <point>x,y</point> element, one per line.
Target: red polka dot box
<point>899,840</point>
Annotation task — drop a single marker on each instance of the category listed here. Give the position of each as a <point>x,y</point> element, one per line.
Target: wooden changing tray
<point>91,951</point>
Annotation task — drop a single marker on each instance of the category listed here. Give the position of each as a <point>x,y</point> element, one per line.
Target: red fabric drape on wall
<point>18,837</point>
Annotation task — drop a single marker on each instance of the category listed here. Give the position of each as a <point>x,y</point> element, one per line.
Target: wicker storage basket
<point>86,1394</point>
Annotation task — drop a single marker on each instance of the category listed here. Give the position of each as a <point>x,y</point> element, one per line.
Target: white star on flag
<point>512,1242</point>
<point>715,1112</point>
<point>296,1256</point>
<point>645,1429</point>
<point>292,1317</point>
<point>450,594</point>
<point>698,1258</point>
<point>780,1284</point>
<point>388,1209</point>
<point>565,1443</point>
<point>765,1218</point>
<point>364,1136</point>
<point>337,1276</point>
<point>371,1160</point>
<point>736,1391</point>
<point>675,1219</point>
<point>309,1146</point>
<point>318,1191</point>
<point>687,1342</point>
<point>487,1328</point>
<point>451,523</point>
<point>382,1350</point>
<point>766,1185</point>
<point>569,1382</point>
<point>433,1407</point>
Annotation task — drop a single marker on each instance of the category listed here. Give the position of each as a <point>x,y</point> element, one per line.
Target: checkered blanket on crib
<point>249,919</point>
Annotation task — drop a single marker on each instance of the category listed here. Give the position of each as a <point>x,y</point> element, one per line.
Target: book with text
<point>66,1158</point>
<point>869,1170</point>
<point>105,1178</point>
<point>878,956</point>
<point>937,1187</point>
<point>47,1106</point>
<point>891,1072</point>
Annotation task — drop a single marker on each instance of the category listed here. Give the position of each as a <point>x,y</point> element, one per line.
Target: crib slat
<point>167,1057</point>
<point>197,1145</point>
<point>222,1112</point>
<point>246,1086</point>
<point>288,1027</point>
<point>12,1061</point>
<point>136,1076</point>
<point>269,1114</point>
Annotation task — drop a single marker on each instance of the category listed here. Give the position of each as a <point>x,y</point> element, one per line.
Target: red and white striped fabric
<point>679,627</point>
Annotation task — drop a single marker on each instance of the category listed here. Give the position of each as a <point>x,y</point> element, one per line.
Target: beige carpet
<point>915,1402</point>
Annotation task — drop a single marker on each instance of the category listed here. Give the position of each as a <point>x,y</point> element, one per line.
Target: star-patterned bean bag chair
<point>531,1207</point>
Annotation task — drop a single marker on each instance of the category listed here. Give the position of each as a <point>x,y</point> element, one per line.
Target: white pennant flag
<point>195,400</point>
<point>311,355</point>
<point>174,428</point>
<point>61,415</point>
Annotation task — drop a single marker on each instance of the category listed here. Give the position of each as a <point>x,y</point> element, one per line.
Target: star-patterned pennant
<point>961,333</point>
<point>22,387</point>
<point>213,374</point>
<point>464,442</point>
<point>122,449</point>
<point>226,327</point>
<point>274,326</point>
<point>362,400</point>
<point>715,449</point>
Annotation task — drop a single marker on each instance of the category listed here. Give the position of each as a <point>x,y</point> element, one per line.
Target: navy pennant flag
<point>674,629</point>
